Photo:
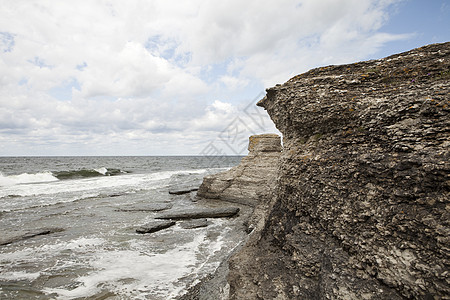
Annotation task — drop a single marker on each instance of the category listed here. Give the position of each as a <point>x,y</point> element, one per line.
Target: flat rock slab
<point>192,224</point>
<point>200,213</point>
<point>29,235</point>
<point>182,191</point>
<point>154,226</point>
<point>150,208</point>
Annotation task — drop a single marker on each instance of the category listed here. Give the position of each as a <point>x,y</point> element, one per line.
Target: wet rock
<point>182,190</point>
<point>362,190</point>
<point>199,213</point>
<point>155,226</point>
<point>252,180</point>
<point>154,207</point>
<point>184,183</point>
<point>192,224</point>
<point>28,235</point>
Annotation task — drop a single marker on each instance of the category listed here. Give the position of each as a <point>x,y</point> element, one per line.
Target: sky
<point>166,77</point>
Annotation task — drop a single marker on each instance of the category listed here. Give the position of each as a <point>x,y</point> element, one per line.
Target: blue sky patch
<point>6,42</point>
<point>37,61</point>
<point>64,90</point>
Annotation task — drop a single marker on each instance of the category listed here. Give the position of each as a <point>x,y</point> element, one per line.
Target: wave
<point>85,173</point>
<point>26,178</point>
<point>47,176</point>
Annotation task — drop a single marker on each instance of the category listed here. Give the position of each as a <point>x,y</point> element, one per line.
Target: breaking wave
<point>26,178</point>
<point>84,173</point>
<point>47,176</point>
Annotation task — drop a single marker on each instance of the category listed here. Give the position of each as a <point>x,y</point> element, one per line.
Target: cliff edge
<point>361,201</point>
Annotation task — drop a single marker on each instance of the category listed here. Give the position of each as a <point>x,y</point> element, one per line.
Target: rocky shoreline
<point>249,185</point>
<point>358,205</point>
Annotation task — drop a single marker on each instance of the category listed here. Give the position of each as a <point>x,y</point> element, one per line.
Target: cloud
<point>144,77</point>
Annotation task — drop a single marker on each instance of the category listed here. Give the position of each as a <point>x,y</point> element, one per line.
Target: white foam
<point>101,170</point>
<point>26,178</point>
<point>133,271</point>
<point>31,254</point>
<point>51,185</point>
<point>19,275</point>
<point>133,274</point>
<point>136,274</point>
<point>48,193</point>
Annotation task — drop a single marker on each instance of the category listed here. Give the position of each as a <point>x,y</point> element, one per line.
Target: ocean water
<point>97,254</point>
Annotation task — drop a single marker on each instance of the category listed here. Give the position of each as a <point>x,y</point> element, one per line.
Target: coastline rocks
<point>182,190</point>
<point>152,207</point>
<point>200,213</point>
<point>252,180</point>
<point>155,226</point>
<point>184,183</point>
<point>196,223</point>
<point>361,203</point>
<point>29,235</point>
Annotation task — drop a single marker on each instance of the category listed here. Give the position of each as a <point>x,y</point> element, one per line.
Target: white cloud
<point>234,83</point>
<point>79,76</point>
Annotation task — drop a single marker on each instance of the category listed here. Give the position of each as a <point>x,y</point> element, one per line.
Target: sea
<point>93,206</point>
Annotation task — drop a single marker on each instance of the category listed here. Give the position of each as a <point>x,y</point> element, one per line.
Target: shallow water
<point>98,255</point>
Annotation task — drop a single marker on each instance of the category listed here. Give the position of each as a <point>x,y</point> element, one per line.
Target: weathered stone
<point>192,224</point>
<point>152,207</point>
<point>182,190</point>
<point>199,213</point>
<point>154,226</point>
<point>361,206</point>
<point>252,180</point>
<point>28,235</point>
<point>184,183</point>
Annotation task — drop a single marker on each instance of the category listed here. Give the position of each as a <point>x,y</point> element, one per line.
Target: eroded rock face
<point>361,208</point>
<point>253,179</point>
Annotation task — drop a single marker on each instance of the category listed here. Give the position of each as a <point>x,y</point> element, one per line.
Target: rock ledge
<point>252,180</point>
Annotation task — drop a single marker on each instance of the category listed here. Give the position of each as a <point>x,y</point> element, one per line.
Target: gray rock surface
<point>252,180</point>
<point>184,183</point>
<point>154,226</point>
<point>17,237</point>
<point>192,224</point>
<point>152,207</point>
<point>199,213</point>
<point>361,203</point>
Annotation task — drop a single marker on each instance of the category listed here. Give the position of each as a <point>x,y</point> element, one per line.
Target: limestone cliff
<point>253,179</point>
<point>361,208</point>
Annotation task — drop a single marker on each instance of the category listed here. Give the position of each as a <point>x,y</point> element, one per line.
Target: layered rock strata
<point>361,207</point>
<point>250,182</point>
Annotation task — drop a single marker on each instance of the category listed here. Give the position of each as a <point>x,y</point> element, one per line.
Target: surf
<point>26,178</point>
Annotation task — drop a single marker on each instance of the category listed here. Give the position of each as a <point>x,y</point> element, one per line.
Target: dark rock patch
<point>200,213</point>
<point>154,207</point>
<point>181,191</point>
<point>155,226</point>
